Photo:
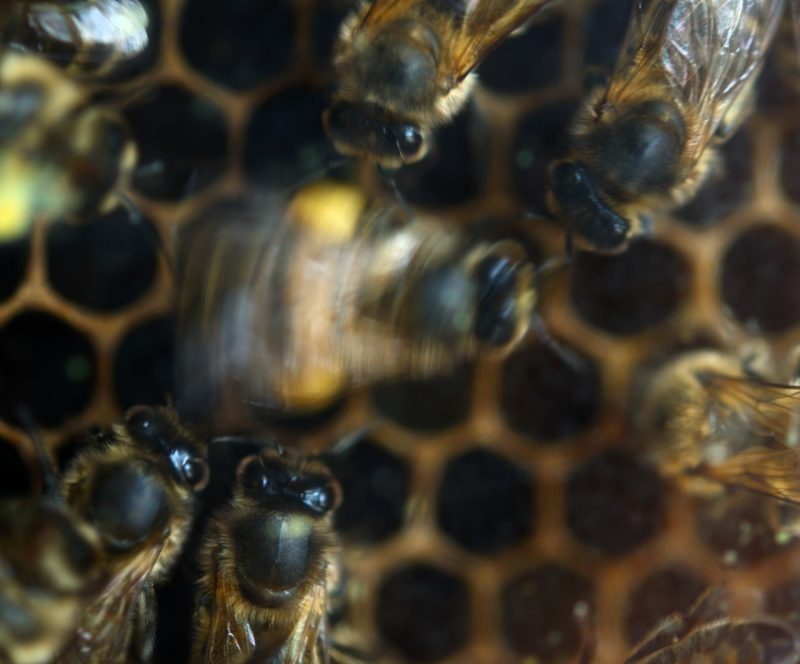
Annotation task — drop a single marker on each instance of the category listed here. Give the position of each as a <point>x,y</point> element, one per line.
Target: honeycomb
<point>501,513</point>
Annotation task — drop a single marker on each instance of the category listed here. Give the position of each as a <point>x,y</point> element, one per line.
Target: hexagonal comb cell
<point>615,503</point>
<point>105,264</point>
<point>661,593</point>
<point>543,612</point>
<point>631,292</point>
<point>241,47</point>
<point>181,140</point>
<point>423,612</point>
<point>14,257</point>
<point>547,398</point>
<point>758,275</point>
<point>427,405</point>
<point>16,473</point>
<point>143,364</point>
<point>47,367</point>
<point>485,502</point>
<point>375,485</point>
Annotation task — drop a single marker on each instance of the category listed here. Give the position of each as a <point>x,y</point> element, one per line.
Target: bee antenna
<point>348,441</point>
<point>570,357</point>
<point>390,180</point>
<point>51,485</point>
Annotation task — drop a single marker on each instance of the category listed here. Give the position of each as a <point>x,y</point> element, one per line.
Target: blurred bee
<point>50,567</point>
<point>86,37</point>
<point>705,417</point>
<point>268,562</point>
<point>137,490</point>
<point>402,68</point>
<point>288,310</point>
<point>682,85</point>
<point>709,633</point>
<point>60,156</point>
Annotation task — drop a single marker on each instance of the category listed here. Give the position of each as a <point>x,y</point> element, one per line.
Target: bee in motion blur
<point>402,68</point>
<point>51,565</point>
<point>709,633</point>
<point>137,490</point>
<point>287,310</point>
<point>268,562</point>
<point>706,419</point>
<point>88,38</point>
<point>682,85</point>
<point>60,156</point>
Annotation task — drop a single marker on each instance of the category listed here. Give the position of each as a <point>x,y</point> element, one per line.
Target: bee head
<point>505,295</point>
<point>366,130</point>
<point>573,193</point>
<point>279,542</point>
<point>157,429</point>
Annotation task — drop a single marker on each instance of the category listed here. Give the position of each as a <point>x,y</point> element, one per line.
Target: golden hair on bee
<point>136,488</point>
<point>682,85</point>
<point>61,156</point>
<point>706,420</point>
<point>88,38</point>
<point>268,561</point>
<point>286,305</point>
<point>403,67</point>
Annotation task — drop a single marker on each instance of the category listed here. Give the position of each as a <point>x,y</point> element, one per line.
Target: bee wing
<point>700,53</point>
<point>308,643</point>
<point>769,409</point>
<point>485,23</point>
<point>107,623</point>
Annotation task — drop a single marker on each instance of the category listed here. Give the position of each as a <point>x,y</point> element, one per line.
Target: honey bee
<point>59,155</point>
<point>287,310</point>
<point>137,490</point>
<point>682,85</point>
<point>86,37</point>
<point>402,68</point>
<point>708,633</point>
<point>268,562</point>
<point>706,418</point>
<point>50,567</point>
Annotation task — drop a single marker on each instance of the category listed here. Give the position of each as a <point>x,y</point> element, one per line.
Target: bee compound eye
<point>143,423</point>
<point>411,143</point>
<point>321,496</point>
<point>252,477</point>
<point>196,473</point>
<point>565,176</point>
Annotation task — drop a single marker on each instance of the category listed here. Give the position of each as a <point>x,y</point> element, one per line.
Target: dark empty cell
<point>455,167</point>
<point>541,137</point>
<point>240,44</point>
<point>46,366</point>
<point>760,272</point>
<point>309,420</point>
<point>784,601</point>
<point>143,364</point>
<point>614,503</point>
<point>738,527</point>
<point>13,264</point>
<point>604,29</point>
<point>181,140</point>
<point>375,486</point>
<point>662,593</point>
<point>105,264</point>
<point>528,61</point>
<point>632,291</point>
<point>285,140</point>
<point>325,28</point>
<point>485,502</point>
<point>423,612</point>
<point>427,405</point>
<point>727,187</point>
<point>15,476</point>
<point>541,612</point>
<point>546,397</point>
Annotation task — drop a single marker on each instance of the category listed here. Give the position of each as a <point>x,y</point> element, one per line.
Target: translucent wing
<point>485,23</point>
<point>699,53</point>
<point>308,642</point>
<point>381,12</point>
